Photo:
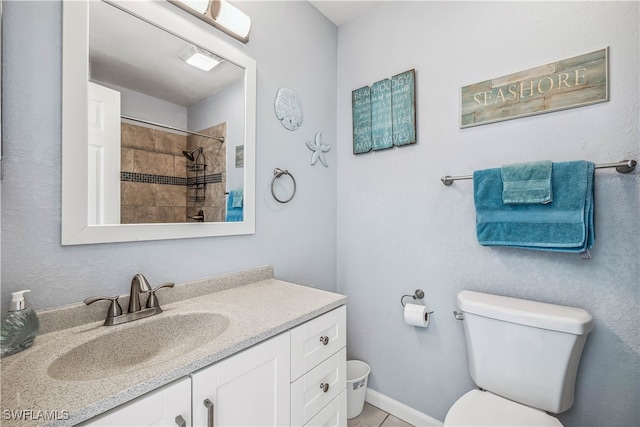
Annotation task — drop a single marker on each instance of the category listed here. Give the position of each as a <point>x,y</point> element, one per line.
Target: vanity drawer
<point>314,341</point>
<point>332,415</point>
<point>308,397</point>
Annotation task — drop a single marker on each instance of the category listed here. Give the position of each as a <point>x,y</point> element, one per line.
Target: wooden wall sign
<point>404,108</point>
<point>381,117</point>
<point>361,107</point>
<point>569,83</point>
<point>384,115</point>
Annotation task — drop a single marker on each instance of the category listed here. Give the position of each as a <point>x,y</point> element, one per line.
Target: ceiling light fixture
<point>199,58</point>
<point>220,14</point>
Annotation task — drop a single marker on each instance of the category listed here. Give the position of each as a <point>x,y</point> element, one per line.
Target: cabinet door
<point>250,388</point>
<point>160,407</point>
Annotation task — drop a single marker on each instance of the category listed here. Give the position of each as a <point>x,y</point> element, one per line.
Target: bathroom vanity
<point>239,349</point>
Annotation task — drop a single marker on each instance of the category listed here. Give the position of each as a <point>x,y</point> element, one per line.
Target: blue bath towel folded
<point>565,225</point>
<point>234,214</point>
<point>527,182</point>
<point>237,198</point>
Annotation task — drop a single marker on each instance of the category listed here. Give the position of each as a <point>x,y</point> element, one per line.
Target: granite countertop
<point>256,305</point>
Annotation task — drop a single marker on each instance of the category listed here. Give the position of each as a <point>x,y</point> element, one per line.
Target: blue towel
<point>527,182</point>
<point>234,214</point>
<point>237,198</point>
<point>565,225</point>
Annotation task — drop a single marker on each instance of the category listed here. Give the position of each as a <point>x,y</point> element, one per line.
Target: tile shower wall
<point>215,158</point>
<point>153,186</point>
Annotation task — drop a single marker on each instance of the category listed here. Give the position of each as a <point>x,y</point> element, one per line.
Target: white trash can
<point>357,377</point>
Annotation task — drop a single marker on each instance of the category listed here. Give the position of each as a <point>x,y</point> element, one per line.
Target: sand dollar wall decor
<point>288,109</point>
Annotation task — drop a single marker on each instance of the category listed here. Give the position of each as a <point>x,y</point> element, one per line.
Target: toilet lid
<point>481,408</point>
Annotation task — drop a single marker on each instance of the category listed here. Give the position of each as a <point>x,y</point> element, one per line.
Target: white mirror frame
<point>76,229</point>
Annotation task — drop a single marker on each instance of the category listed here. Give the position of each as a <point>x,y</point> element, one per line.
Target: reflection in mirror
<point>159,96</point>
<point>166,107</point>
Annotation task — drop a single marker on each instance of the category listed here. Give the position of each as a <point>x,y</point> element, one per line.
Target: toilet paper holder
<point>419,294</point>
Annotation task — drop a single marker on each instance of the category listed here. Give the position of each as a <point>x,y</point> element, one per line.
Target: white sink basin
<point>140,345</point>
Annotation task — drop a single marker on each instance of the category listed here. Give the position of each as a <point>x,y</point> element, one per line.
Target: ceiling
<point>342,11</point>
<point>128,52</point>
<point>120,53</point>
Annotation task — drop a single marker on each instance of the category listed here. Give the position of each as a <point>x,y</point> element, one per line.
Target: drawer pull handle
<point>324,387</point>
<point>180,421</point>
<point>209,405</point>
<point>324,340</point>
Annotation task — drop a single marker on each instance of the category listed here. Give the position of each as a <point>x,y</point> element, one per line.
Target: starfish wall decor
<point>318,149</point>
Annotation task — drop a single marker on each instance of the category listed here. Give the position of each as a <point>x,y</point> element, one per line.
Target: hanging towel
<point>565,225</point>
<point>237,198</point>
<point>234,214</point>
<point>527,183</point>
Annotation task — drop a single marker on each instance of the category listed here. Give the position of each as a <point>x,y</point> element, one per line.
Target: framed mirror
<point>1,103</point>
<point>153,147</point>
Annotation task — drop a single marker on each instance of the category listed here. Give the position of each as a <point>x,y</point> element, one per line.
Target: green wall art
<point>384,115</point>
<point>569,83</point>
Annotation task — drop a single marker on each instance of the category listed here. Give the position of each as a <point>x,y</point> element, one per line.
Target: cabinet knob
<point>180,421</point>
<point>324,340</point>
<point>324,387</point>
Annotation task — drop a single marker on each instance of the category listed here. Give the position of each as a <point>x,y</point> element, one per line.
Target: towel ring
<point>277,173</point>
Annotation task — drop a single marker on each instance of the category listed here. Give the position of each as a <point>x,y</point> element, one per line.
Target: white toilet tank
<point>522,350</point>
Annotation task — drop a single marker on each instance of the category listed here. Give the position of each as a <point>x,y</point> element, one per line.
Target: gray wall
<point>298,239</point>
<point>143,106</point>
<point>400,229</point>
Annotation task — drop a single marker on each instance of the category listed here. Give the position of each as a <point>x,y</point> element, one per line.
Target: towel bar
<point>624,166</point>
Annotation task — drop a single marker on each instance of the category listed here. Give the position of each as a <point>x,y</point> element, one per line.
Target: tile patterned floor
<point>374,417</point>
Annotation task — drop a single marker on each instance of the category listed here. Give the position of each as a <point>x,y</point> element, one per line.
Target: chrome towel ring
<point>277,173</point>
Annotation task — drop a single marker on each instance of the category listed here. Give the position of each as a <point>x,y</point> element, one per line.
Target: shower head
<point>189,154</point>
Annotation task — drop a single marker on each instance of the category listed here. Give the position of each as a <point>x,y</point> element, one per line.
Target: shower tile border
<point>168,180</point>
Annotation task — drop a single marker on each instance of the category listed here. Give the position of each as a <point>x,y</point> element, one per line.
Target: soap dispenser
<point>19,326</point>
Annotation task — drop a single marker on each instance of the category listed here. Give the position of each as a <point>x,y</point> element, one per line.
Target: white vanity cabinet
<point>251,388</point>
<point>293,379</point>
<point>318,371</point>
<point>169,405</point>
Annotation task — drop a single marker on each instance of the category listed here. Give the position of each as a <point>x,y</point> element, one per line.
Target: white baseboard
<point>400,410</point>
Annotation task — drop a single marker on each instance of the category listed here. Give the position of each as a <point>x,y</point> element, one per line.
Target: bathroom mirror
<point>1,139</point>
<point>137,171</point>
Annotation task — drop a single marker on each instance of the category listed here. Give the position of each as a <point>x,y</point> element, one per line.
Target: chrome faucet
<point>139,285</point>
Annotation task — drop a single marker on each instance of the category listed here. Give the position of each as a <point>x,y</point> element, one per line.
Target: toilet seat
<point>482,408</point>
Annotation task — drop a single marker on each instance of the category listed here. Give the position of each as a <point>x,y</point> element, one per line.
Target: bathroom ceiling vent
<point>199,58</point>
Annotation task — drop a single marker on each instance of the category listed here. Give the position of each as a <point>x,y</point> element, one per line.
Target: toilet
<point>523,355</point>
